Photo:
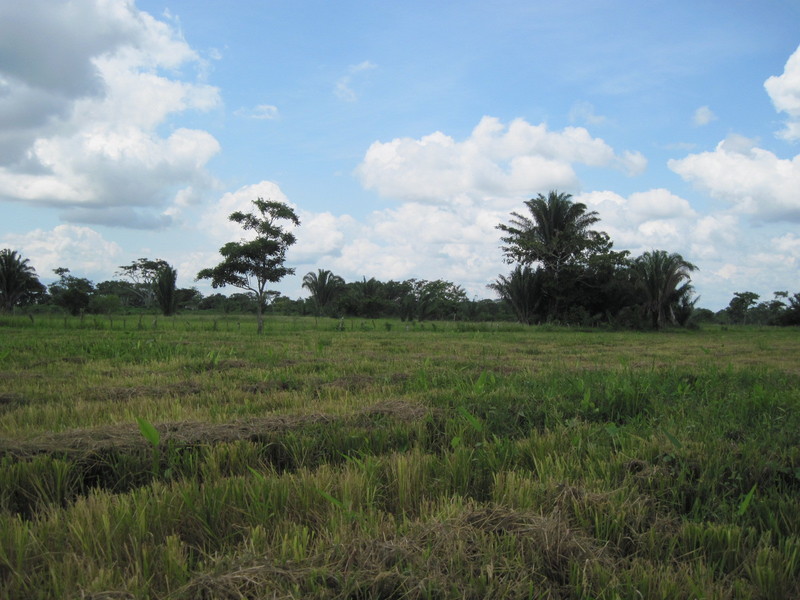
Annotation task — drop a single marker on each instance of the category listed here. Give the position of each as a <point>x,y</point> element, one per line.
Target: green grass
<point>189,458</point>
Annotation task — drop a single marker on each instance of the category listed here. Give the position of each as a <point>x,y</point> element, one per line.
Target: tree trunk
<point>260,318</point>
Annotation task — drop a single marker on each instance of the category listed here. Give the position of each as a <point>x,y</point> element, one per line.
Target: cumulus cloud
<point>752,180</point>
<point>494,161</point>
<point>67,246</point>
<point>321,235</point>
<point>643,221</point>
<point>423,241</point>
<point>703,116</point>
<point>343,88</point>
<point>215,222</point>
<point>784,90</point>
<point>82,112</point>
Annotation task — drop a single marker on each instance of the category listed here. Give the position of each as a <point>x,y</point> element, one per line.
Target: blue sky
<point>403,133</point>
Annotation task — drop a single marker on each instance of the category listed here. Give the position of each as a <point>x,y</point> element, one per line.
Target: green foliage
<point>251,265</point>
<point>149,432</point>
<point>557,234</point>
<point>664,281</point>
<point>142,274</point>
<point>325,287</point>
<point>70,292</point>
<point>740,306</point>
<point>18,281</point>
<point>166,290</point>
<point>523,291</point>
<point>566,272</point>
<point>104,304</point>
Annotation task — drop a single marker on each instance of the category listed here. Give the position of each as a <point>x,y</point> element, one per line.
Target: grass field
<point>189,458</point>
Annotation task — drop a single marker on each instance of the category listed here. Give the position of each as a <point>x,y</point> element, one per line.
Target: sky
<point>401,133</point>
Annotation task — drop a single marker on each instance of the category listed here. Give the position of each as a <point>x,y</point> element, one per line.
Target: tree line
<point>564,271</point>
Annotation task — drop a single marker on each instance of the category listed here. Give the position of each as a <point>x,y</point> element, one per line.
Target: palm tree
<point>164,287</point>
<point>558,237</point>
<point>556,234</point>
<point>664,281</point>
<point>522,291</point>
<point>17,278</point>
<point>324,287</point>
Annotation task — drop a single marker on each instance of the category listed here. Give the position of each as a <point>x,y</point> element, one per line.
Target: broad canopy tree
<point>251,265</point>
<point>740,305</point>
<point>70,292</point>
<point>142,273</point>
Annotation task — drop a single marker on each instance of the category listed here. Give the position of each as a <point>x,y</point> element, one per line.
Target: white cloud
<point>85,110</point>
<point>81,249</point>
<point>655,219</point>
<point>660,204</point>
<point>583,112</point>
<point>321,235</point>
<point>494,161</point>
<point>215,222</point>
<point>784,90</point>
<point>426,242</point>
<point>788,243</point>
<point>752,180</point>
<point>343,88</point>
<point>703,116</point>
<point>264,112</point>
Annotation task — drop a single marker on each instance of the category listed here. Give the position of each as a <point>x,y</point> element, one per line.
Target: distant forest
<point>563,272</point>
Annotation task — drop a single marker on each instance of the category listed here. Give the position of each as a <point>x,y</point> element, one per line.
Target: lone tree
<point>18,280</point>
<point>251,265</point>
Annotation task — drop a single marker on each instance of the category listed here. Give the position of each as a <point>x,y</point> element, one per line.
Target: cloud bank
<point>85,116</point>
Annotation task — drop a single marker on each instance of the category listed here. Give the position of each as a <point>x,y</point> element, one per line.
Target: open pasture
<point>190,458</point>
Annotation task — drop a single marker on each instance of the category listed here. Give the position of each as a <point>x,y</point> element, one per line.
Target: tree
<point>143,273</point>
<point>165,290</point>
<point>791,316</point>
<point>188,298</point>
<point>522,291</point>
<point>70,292</point>
<point>251,265</point>
<point>104,304</point>
<point>324,286</point>
<point>740,306</point>
<point>556,234</point>
<point>128,294</point>
<point>663,280</point>
<point>18,280</point>
<point>432,300</point>
<point>556,239</point>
